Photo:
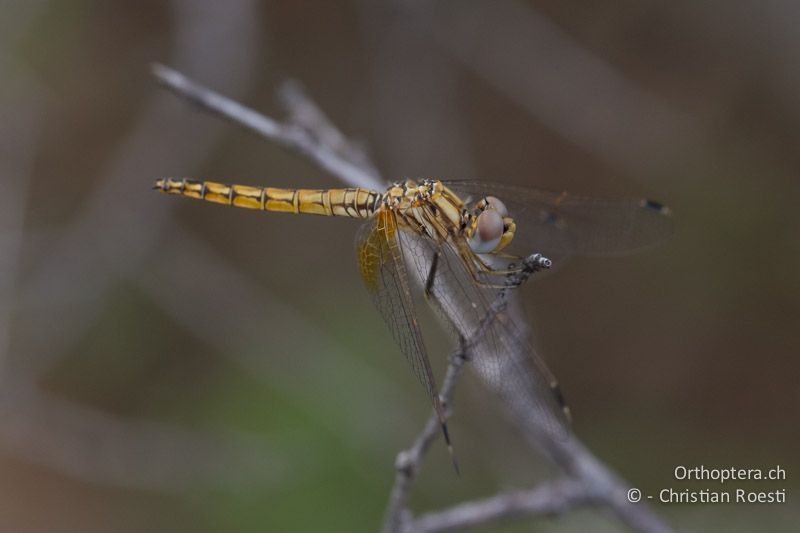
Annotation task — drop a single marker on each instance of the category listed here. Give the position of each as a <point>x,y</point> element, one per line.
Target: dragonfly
<point>462,244</point>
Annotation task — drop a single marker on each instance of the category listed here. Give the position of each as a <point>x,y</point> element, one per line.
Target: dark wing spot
<point>550,218</point>
<point>655,206</point>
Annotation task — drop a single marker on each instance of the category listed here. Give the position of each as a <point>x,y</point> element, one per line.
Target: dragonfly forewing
<point>560,225</point>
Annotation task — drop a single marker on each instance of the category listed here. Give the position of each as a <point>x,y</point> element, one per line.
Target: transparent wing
<point>384,273</point>
<point>559,225</point>
<point>500,350</point>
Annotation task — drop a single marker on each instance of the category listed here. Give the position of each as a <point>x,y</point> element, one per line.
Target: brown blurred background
<point>172,365</point>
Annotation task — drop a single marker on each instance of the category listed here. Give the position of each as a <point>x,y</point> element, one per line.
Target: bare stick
<point>548,499</point>
<point>291,136</point>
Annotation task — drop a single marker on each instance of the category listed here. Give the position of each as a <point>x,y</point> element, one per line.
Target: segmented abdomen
<point>353,203</point>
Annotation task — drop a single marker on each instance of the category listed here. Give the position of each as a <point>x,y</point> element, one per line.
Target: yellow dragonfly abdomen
<point>353,203</point>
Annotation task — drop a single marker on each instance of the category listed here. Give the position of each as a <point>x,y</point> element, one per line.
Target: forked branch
<point>308,134</point>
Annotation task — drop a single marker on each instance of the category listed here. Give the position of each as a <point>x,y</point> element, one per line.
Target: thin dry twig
<point>587,480</point>
<point>551,498</point>
<point>290,135</point>
<point>303,112</point>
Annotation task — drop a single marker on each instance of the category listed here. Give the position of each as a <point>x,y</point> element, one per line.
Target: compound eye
<point>497,205</point>
<point>488,231</point>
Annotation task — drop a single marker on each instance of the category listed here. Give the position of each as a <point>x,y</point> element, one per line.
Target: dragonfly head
<point>489,228</point>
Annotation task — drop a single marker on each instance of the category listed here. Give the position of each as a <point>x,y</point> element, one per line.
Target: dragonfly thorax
<point>430,207</point>
<point>403,195</point>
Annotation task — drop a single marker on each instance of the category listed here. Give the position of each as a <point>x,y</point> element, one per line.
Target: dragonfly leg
<point>461,355</point>
<point>478,270</point>
<point>483,276</point>
<point>533,263</point>
<point>431,274</point>
<point>513,275</point>
<point>484,268</point>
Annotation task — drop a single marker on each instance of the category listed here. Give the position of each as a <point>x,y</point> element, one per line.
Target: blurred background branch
<point>68,288</point>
